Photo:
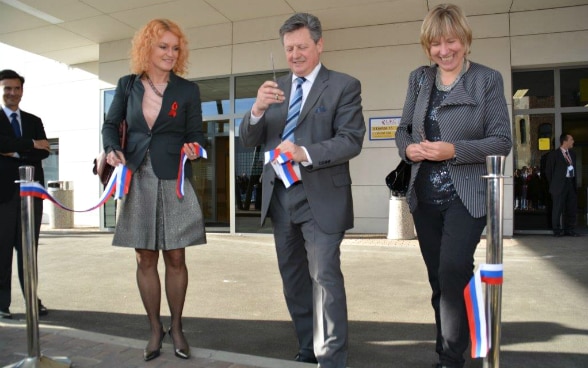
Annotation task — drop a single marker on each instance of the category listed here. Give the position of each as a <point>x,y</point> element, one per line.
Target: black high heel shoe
<point>150,355</point>
<point>180,353</point>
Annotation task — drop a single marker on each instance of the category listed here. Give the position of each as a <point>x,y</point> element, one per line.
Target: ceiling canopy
<point>70,31</point>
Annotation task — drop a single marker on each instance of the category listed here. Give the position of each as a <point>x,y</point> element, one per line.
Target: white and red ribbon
<point>476,308</point>
<point>183,158</point>
<point>118,185</point>
<point>283,164</point>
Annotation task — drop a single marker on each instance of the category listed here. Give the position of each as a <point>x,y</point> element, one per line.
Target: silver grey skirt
<point>151,216</point>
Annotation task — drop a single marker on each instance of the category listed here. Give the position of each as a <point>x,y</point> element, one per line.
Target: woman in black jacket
<point>163,115</point>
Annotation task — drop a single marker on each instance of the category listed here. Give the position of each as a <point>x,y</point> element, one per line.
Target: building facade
<point>540,49</point>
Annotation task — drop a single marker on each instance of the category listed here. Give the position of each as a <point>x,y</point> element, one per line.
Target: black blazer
<point>556,169</point>
<point>32,128</point>
<point>178,122</point>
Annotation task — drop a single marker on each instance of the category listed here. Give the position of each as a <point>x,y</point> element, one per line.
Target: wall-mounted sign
<point>544,144</point>
<point>383,128</point>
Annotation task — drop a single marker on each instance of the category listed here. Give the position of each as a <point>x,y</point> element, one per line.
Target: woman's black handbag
<point>398,179</point>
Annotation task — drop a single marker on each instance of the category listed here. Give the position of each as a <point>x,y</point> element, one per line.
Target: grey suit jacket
<point>170,130</point>
<point>556,168</point>
<point>473,116</point>
<point>331,127</point>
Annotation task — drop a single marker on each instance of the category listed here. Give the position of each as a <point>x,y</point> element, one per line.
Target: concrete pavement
<point>235,315</point>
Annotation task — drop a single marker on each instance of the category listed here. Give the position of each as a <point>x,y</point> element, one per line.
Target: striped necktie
<point>15,125</point>
<point>293,111</point>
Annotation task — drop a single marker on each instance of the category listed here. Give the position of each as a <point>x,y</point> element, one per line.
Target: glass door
<point>546,104</point>
<point>533,140</point>
<point>576,124</point>
<point>210,177</point>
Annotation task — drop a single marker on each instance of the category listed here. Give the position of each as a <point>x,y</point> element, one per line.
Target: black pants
<point>11,239</point>
<point>566,204</point>
<point>448,236</point>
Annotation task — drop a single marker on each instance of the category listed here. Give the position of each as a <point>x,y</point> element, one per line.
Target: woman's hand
<point>191,151</point>
<point>437,151</point>
<point>414,152</point>
<point>115,157</point>
<point>432,151</point>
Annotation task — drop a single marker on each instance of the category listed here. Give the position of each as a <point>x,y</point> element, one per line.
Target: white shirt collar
<point>310,77</point>
<point>9,112</point>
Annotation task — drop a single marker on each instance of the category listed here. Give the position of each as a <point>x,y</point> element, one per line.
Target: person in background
<point>455,114</point>
<point>314,114</point>
<point>22,142</point>
<point>163,115</point>
<point>560,171</point>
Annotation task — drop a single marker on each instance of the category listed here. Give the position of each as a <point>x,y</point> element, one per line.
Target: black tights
<point>176,284</point>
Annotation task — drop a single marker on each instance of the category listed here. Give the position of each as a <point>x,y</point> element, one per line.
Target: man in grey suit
<point>560,171</point>
<point>310,216</point>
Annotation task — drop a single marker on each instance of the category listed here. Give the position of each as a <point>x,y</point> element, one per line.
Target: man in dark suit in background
<point>560,171</point>
<point>310,216</point>
<point>22,142</point>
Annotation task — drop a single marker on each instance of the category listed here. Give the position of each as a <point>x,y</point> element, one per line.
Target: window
<point>574,87</point>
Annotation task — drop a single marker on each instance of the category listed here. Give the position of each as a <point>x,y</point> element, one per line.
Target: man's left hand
<point>298,154</point>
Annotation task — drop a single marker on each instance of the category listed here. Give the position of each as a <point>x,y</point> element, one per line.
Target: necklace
<point>446,88</point>
<point>155,90</point>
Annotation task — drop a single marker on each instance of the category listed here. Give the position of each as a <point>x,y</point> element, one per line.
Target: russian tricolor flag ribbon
<point>270,156</point>
<point>181,172</point>
<point>283,166</point>
<point>118,185</point>
<point>476,308</point>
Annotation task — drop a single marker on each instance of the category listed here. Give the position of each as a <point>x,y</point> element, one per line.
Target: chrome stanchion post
<point>494,201</point>
<point>27,221</point>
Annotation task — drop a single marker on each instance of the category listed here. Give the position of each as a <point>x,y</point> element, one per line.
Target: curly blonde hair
<point>148,36</point>
<point>445,20</point>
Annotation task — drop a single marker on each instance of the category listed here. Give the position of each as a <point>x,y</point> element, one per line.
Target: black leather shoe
<point>305,359</point>
<point>182,353</point>
<point>557,234</point>
<point>43,311</point>
<point>571,233</point>
<point>150,355</point>
<point>5,313</point>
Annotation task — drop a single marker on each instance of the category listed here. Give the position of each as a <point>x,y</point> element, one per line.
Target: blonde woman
<point>454,116</point>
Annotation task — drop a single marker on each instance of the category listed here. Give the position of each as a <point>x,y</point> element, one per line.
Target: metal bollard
<point>494,202</point>
<point>27,216</point>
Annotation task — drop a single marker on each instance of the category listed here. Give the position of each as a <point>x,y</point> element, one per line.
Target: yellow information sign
<point>383,128</point>
<point>544,144</point>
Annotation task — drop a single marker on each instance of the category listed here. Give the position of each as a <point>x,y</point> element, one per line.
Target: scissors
<point>273,67</point>
<point>274,72</point>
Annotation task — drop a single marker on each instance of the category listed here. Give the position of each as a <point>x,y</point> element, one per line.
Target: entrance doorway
<point>210,177</point>
<point>547,103</point>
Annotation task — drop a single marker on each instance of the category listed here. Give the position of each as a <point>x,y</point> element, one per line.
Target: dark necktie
<point>293,111</point>
<point>15,125</point>
<point>567,156</point>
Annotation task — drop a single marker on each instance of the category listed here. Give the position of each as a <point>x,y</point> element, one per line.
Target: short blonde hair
<point>148,36</point>
<point>445,20</point>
